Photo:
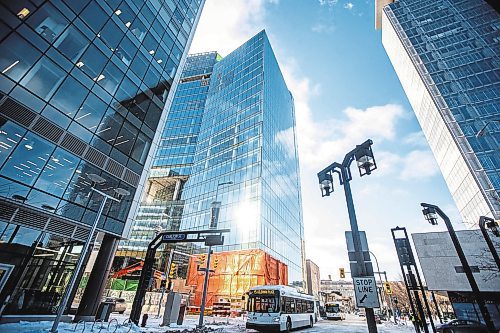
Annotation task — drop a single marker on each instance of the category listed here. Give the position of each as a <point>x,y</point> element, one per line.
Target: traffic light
<point>342,273</point>
<point>387,288</point>
<point>216,263</point>
<point>171,273</point>
<point>202,258</point>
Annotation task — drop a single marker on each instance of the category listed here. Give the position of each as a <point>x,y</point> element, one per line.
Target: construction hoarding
<point>235,272</point>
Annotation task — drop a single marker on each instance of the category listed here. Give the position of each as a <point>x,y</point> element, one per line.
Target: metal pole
<point>468,272</point>
<point>437,307</point>
<point>80,262</point>
<point>370,315</point>
<point>205,287</point>
<point>169,267</point>
<point>482,222</point>
<point>380,278</point>
<point>390,300</point>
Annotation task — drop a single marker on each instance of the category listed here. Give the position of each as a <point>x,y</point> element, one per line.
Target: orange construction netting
<point>235,274</point>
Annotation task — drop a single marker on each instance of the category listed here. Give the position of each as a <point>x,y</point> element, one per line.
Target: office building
<point>230,136</point>
<point>83,88</point>
<point>313,278</point>
<point>446,55</point>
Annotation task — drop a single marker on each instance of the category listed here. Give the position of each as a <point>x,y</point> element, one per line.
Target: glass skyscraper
<point>232,120</point>
<point>447,56</point>
<point>83,86</point>
<point>162,206</point>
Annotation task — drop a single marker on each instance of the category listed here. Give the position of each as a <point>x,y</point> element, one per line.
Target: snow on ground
<point>353,324</point>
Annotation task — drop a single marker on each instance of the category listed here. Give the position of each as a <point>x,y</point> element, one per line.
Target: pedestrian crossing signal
<point>387,288</point>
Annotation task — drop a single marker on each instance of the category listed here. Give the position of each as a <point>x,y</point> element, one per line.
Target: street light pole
<point>213,225</point>
<point>81,259</point>
<point>491,224</point>
<point>430,212</point>
<point>482,131</point>
<point>366,164</point>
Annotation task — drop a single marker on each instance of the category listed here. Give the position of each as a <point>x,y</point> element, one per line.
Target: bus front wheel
<point>288,325</point>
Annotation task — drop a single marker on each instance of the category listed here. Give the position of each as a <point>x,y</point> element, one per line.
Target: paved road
<point>352,324</point>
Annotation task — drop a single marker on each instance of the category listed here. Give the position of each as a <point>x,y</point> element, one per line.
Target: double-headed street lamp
<point>482,131</point>
<point>119,193</point>
<point>214,219</point>
<point>491,224</point>
<point>431,213</point>
<point>363,155</point>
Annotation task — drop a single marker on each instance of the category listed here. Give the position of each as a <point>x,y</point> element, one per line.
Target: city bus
<point>279,308</point>
<point>334,311</point>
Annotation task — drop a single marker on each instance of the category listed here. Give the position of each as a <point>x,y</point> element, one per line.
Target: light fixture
<point>28,146</point>
<point>325,184</point>
<point>10,67</point>
<point>121,192</point>
<point>19,198</point>
<point>99,78</point>
<point>159,61</point>
<point>23,13</point>
<point>128,24</point>
<point>96,179</point>
<point>493,226</point>
<point>430,215</point>
<point>365,160</point>
<point>152,52</point>
<point>118,12</point>
<point>80,64</point>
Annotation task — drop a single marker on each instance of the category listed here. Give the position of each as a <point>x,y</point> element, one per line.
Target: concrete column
<point>91,297</point>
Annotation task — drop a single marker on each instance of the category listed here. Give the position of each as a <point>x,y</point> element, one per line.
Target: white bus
<point>334,311</point>
<point>279,308</point>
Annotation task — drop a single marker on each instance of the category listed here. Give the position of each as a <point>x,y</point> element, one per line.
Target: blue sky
<point>345,91</point>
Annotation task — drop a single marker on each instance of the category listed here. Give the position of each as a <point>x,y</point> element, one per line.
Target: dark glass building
<point>83,89</point>
<point>447,56</point>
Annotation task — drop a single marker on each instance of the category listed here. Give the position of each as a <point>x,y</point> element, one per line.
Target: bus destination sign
<point>262,292</point>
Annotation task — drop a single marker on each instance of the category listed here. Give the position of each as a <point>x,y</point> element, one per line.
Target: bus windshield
<point>263,304</point>
<point>332,308</point>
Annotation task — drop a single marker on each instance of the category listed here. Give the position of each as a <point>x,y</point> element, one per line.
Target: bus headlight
<point>276,320</point>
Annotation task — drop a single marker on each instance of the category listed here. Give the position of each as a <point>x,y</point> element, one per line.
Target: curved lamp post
<point>431,213</point>
<point>119,193</point>
<point>363,155</point>
<point>491,224</point>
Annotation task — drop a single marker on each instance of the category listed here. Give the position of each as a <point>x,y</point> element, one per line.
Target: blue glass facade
<point>247,137</point>
<point>83,85</point>
<point>453,47</point>
<point>162,207</point>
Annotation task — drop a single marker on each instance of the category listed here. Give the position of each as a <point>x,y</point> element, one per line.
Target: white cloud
<point>329,3</point>
<point>416,139</point>
<point>419,164</point>
<point>349,6</point>
<point>323,28</point>
<point>226,24</point>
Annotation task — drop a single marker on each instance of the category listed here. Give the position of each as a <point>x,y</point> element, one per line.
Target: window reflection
<point>44,78</point>
<point>48,22</point>
<point>17,56</point>
<point>57,172</point>
<point>110,125</point>
<point>26,162</point>
<point>91,112</point>
<point>69,97</point>
<point>72,44</point>
<point>10,135</point>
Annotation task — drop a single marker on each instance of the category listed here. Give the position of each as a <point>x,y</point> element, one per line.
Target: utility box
<point>172,308</point>
<point>104,310</point>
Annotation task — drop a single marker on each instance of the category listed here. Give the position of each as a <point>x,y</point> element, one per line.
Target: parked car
<point>461,326</point>
<point>120,304</point>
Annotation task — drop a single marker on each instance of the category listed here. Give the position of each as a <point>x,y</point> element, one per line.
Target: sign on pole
<point>365,289</point>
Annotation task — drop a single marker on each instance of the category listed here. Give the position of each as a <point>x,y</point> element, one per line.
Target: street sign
<point>365,289</point>
<point>174,237</point>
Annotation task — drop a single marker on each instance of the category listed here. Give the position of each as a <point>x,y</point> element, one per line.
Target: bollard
<point>144,320</point>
